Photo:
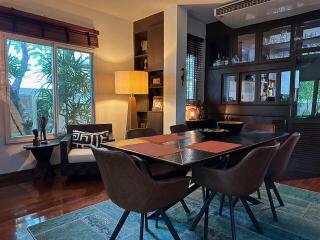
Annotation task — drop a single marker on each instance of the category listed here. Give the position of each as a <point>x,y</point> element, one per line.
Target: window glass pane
<point>285,86</point>
<point>276,43</point>
<point>230,88</point>
<point>246,47</point>
<point>305,98</point>
<point>311,34</point>
<point>31,86</point>
<point>318,103</point>
<point>268,87</point>
<point>248,88</point>
<point>74,71</point>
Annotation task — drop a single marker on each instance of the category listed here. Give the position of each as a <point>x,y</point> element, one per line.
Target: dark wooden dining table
<point>189,157</point>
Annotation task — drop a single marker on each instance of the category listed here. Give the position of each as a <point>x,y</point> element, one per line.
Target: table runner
<point>152,149</point>
<point>214,146</point>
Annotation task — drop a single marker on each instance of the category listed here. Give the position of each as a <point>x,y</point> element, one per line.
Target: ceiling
<point>133,10</point>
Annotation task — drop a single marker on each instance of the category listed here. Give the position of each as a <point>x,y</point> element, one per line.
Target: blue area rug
<point>298,220</point>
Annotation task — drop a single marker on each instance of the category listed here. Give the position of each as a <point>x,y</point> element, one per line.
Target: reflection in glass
<point>31,86</point>
<point>230,89</point>
<point>74,72</point>
<point>305,98</point>
<point>248,86</point>
<point>276,43</point>
<point>285,86</point>
<point>311,34</point>
<point>268,87</point>
<point>318,103</point>
<point>246,47</point>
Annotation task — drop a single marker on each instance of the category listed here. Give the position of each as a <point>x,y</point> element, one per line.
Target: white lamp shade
<point>131,82</point>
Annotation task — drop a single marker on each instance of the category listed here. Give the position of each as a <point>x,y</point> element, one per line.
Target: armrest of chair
<point>142,164</point>
<point>65,146</point>
<point>111,137</point>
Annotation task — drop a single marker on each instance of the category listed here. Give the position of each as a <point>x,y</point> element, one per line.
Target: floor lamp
<point>131,82</point>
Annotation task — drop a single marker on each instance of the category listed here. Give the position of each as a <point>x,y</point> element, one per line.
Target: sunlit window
<point>33,81</point>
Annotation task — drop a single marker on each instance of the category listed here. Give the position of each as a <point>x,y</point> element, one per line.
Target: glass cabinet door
<point>248,87</point>
<point>246,48</point>
<point>309,34</point>
<point>268,86</point>
<point>230,89</point>
<point>276,43</point>
<point>285,79</point>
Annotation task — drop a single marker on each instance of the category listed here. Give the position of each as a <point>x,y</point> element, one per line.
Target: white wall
<point>115,52</point>
<point>175,51</point>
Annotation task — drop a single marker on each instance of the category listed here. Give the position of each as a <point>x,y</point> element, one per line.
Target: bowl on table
<point>212,132</point>
<point>234,127</point>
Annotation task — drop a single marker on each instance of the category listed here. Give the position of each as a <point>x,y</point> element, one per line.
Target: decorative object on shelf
<point>182,76</point>
<point>145,64</point>
<point>131,82</point>
<point>42,126</point>
<point>156,82</point>
<point>144,46</point>
<point>192,113</point>
<point>157,103</point>
<point>36,141</point>
<point>203,110</point>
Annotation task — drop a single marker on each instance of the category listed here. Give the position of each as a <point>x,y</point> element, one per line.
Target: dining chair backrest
<point>247,176</point>
<point>280,161</point>
<point>259,127</point>
<point>179,128</point>
<point>140,132</point>
<point>126,185</point>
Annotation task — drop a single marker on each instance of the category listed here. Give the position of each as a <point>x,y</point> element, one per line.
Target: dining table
<point>186,149</point>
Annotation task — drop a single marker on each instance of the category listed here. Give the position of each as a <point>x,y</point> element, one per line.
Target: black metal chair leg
<point>185,207</point>
<point>146,222</point>
<point>206,223</point>
<point>119,225</point>
<point>169,225</point>
<point>258,193</point>
<point>157,220</point>
<point>274,213</point>
<point>203,193</point>
<point>275,190</point>
<point>233,227</point>
<point>141,226</point>
<point>221,204</point>
<point>235,201</point>
<point>200,214</point>
<point>252,217</point>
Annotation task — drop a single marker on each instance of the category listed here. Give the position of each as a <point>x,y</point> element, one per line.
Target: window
<point>194,69</point>
<point>230,89</point>
<point>74,72</point>
<point>247,47</point>
<point>248,87</point>
<point>39,86</point>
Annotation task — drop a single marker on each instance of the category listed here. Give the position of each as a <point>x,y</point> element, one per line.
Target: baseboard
<point>13,178</point>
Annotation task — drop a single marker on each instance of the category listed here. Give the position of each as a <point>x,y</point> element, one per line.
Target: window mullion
<point>55,93</point>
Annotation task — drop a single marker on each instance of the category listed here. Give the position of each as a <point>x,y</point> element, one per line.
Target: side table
<point>42,155</point>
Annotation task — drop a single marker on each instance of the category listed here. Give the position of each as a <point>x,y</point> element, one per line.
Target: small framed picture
<point>157,104</point>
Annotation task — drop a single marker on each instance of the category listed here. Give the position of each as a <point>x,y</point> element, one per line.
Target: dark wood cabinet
<point>155,48</point>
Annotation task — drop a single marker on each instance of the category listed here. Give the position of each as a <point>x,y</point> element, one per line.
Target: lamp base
<point>132,121</point>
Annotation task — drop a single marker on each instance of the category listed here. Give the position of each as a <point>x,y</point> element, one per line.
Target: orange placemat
<point>163,138</point>
<point>214,146</point>
<point>152,149</point>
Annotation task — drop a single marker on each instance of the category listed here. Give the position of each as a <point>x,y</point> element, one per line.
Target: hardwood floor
<point>31,202</point>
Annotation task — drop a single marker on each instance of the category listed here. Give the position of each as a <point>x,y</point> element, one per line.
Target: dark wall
<point>221,39</point>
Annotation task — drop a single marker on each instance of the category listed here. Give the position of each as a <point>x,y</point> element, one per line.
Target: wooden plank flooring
<point>31,202</point>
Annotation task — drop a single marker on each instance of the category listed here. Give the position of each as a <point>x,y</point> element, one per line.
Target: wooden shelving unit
<point>149,31</point>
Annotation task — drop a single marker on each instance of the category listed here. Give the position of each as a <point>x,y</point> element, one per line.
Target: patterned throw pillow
<point>85,140</point>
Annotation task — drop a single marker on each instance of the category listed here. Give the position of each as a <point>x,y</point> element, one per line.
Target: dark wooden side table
<point>42,155</point>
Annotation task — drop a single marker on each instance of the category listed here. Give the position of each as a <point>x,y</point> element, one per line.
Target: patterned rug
<point>299,219</point>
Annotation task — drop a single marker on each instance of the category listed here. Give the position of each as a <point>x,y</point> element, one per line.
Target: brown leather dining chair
<point>134,190</point>
<point>179,128</point>
<point>237,182</point>
<point>157,170</point>
<point>278,168</point>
